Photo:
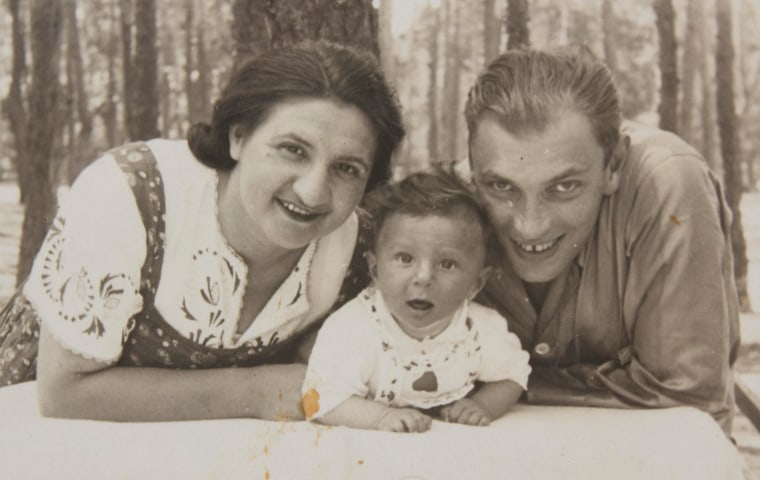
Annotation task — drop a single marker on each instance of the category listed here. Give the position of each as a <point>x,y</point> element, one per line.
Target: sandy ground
<point>747,438</point>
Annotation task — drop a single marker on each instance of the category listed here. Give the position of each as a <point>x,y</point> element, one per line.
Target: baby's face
<point>427,266</point>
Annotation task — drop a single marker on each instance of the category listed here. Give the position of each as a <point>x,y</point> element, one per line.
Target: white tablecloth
<point>530,442</point>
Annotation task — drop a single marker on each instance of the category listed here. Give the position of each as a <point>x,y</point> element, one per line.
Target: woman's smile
<point>300,213</point>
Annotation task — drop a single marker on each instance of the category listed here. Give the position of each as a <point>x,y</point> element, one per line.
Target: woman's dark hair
<point>440,192</point>
<point>318,69</point>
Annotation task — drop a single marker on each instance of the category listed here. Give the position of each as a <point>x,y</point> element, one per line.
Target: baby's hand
<point>465,411</point>
<point>404,420</point>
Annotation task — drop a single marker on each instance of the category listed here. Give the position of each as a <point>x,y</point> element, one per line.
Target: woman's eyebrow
<point>298,138</point>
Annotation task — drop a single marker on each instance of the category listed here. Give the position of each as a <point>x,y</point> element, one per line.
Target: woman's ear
<point>236,142</point>
<point>372,263</point>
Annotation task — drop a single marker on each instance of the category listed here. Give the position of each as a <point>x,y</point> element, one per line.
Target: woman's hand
<point>466,411</point>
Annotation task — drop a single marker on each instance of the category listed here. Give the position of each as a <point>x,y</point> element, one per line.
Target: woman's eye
<point>448,264</point>
<point>294,149</point>
<point>404,258</point>
<point>350,169</point>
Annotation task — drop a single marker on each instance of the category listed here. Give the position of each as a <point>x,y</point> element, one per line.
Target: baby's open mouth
<point>421,305</point>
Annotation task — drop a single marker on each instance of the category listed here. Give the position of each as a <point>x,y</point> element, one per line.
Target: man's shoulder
<point>658,155</point>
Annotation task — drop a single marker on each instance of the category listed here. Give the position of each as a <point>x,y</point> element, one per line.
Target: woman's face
<point>302,171</point>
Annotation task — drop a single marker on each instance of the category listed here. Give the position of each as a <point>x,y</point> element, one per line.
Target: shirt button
<point>542,348</point>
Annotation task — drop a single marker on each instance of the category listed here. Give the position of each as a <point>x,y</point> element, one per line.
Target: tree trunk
<point>42,128</point>
<point>518,34</point>
<point>608,32</point>
<point>145,65</point>
<point>250,32</point>
<point>196,68</point>
<point>491,31</point>
<point>127,70</point>
<point>451,83</point>
<point>690,61</point>
<point>432,138</point>
<point>259,25</point>
<point>385,38</point>
<point>729,144</point>
<point>80,149</point>
<point>709,125</point>
<point>14,106</point>
<point>750,131</point>
<point>668,108</point>
<point>109,108</point>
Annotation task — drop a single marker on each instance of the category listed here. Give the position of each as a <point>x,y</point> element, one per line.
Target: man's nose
<point>531,220</point>
<point>312,185</point>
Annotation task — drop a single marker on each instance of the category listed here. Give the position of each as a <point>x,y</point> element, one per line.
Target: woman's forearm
<point>70,386</point>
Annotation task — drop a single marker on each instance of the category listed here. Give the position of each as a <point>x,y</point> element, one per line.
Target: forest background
<point>80,76</point>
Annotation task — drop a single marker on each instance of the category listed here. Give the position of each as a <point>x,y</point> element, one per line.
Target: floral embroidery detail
<point>220,279</point>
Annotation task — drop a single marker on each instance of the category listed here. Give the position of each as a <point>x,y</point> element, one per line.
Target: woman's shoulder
<point>175,160</point>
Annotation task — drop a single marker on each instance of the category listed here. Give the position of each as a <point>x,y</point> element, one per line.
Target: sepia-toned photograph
<point>380,239</point>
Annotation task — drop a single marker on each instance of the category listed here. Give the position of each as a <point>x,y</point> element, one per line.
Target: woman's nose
<point>312,185</point>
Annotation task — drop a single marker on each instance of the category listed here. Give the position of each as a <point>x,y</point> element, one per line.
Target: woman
<point>258,236</point>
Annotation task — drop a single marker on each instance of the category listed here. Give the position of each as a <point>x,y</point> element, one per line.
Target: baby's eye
<point>404,258</point>
<point>448,264</point>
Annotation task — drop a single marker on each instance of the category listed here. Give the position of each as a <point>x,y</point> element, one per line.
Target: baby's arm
<point>359,412</point>
<point>489,402</point>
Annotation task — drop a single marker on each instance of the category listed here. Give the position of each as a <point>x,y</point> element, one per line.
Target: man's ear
<point>236,138</point>
<point>615,164</point>
<point>372,263</point>
<point>483,276</point>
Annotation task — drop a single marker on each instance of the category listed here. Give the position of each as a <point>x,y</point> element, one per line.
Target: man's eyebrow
<point>569,172</point>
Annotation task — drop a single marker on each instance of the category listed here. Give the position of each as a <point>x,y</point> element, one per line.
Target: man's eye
<point>448,264</point>
<point>404,258</point>
<point>499,185</point>
<point>566,187</point>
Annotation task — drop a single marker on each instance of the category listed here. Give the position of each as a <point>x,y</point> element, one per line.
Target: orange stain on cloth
<point>675,220</point>
<point>311,403</point>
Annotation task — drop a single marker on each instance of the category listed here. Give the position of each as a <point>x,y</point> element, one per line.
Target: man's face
<point>542,190</point>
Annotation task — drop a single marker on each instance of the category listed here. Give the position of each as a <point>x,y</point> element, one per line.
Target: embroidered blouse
<point>85,281</point>
<point>361,350</point>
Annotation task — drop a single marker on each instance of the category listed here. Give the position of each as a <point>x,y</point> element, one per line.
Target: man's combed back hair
<point>440,192</point>
<point>525,89</point>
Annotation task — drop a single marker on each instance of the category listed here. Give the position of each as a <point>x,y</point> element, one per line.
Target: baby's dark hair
<point>439,192</point>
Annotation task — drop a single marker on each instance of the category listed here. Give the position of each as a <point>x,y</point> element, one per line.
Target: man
<point>617,268</point>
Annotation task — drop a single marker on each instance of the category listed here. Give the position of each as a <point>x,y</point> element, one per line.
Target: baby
<point>414,343</point>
